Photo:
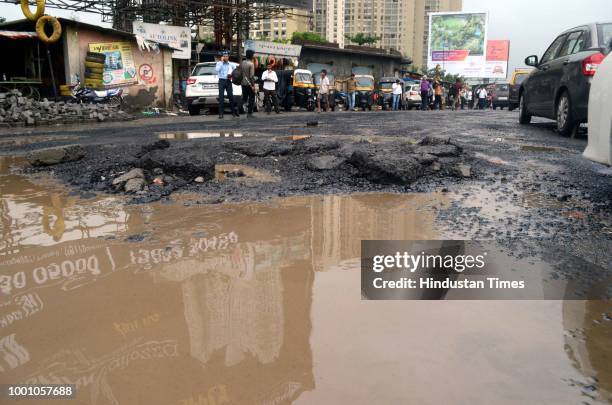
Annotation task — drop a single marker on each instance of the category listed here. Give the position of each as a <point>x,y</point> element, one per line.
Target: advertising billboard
<point>458,43</point>
<point>119,67</point>
<point>498,52</point>
<point>178,38</point>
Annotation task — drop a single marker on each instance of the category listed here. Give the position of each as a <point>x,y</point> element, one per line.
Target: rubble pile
<point>17,110</point>
<point>152,171</point>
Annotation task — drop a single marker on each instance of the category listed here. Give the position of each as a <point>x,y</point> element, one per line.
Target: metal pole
<point>52,74</point>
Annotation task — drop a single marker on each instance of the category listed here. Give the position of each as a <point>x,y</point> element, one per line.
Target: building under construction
<point>230,18</point>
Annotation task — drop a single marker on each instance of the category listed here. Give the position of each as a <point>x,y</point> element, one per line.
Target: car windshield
<point>204,70</point>
<point>502,87</point>
<point>604,33</point>
<point>365,82</point>
<point>520,77</point>
<point>386,85</point>
<point>303,78</point>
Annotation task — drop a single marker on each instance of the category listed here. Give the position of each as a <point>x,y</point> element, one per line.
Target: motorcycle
<point>83,94</point>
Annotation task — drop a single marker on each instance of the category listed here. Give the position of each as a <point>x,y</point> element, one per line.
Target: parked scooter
<point>83,94</point>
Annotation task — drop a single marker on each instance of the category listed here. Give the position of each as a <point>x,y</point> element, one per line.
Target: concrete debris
<point>463,170</point>
<point>325,162</point>
<point>56,155</point>
<point>16,110</point>
<point>134,185</point>
<point>132,174</point>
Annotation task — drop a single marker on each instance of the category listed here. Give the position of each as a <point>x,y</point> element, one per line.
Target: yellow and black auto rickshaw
<point>364,97</point>
<point>296,88</point>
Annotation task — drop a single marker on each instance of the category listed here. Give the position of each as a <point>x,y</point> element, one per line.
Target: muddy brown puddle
<point>259,303</point>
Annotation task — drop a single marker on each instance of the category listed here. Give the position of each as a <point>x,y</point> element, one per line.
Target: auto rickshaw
<point>364,97</point>
<point>296,88</point>
<point>385,92</point>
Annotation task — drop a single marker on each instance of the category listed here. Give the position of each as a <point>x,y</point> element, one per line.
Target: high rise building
<point>402,25</point>
<point>276,27</point>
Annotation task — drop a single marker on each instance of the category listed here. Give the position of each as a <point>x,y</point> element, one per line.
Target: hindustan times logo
<point>409,262</point>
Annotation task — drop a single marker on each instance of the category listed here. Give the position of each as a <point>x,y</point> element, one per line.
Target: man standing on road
<point>248,81</point>
<point>397,94</point>
<point>456,94</point>
<point>482,97</point>
<point>323,91</point>
<point>425,87</point>
<point>462,96</point>
<point>469,95</point>
<point>351,88</point>
<point>437,95</point>
<point>224,71</point>
<point>270,79</point>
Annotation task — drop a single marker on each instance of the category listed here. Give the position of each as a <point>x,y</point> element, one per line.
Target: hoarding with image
<point>176,37</point>
<point>119,67</point>
<point>267,49</point>
<point>457,43</point>
<point>498,52</point>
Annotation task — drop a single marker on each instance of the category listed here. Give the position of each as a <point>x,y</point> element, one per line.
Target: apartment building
<point>283,26</point>
<point>280,27</point>
<point>402,25</point>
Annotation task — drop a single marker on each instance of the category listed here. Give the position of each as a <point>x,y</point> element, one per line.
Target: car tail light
<point>191,80</point>
<point>590,64</point>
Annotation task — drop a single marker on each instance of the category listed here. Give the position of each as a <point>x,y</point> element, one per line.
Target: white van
<point>203,89</point>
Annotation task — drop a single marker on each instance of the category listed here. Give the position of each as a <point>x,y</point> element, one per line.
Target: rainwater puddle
<point>292,138</point>
<point>491,159</point>
<point>242,173</point>
<point>185,136</point>
<point>540,148</point>
<point>7,142</point>
<point>259,303</point>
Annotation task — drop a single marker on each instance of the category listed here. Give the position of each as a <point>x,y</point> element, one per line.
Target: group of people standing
<point>225,71</point>
<point>460,95</point>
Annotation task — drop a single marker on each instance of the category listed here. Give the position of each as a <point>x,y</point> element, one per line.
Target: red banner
<point>498,50</point>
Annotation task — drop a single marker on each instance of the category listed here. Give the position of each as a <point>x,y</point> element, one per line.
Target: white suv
<point>203,88</point>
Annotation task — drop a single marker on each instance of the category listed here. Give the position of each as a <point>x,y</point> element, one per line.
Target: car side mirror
<point>531,60</point>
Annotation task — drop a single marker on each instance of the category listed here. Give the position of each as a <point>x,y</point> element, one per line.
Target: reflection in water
<point>184,136</point>
<point>588,343</point>
<point>251,303</point>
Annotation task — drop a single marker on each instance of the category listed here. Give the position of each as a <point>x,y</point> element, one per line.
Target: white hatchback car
<point>203,89</point>
<point>599,148</point>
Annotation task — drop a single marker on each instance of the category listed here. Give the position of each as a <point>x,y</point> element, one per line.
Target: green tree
<point>362,39</point>
<point>2,19</point>
<point>441,74</point>
<point>298,36</point>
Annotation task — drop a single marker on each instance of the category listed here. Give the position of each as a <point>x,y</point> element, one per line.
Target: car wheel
<point>494,107</point>
<point>194,110</point>
<point>565,116</point>
<point>524,116</point>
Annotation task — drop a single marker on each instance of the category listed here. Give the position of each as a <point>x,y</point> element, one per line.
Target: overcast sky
<point>530,25</point>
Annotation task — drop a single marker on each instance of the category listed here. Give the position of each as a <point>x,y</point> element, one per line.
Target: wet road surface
<point>178,302</point>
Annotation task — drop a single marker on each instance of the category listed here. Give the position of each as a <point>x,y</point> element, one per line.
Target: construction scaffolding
<point>231,19</point>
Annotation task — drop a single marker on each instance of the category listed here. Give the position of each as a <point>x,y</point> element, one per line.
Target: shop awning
<point>18,34</point>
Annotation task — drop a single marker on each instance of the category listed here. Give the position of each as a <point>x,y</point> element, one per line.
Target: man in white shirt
<point>323,91</point>
<point>397,94</point>
<point>270,79</point>
<point>224,70</point>
<point>482,98</point>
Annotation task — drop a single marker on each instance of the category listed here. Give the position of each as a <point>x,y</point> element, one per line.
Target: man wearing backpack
<point>247,69</point>
<point>224,71</point>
